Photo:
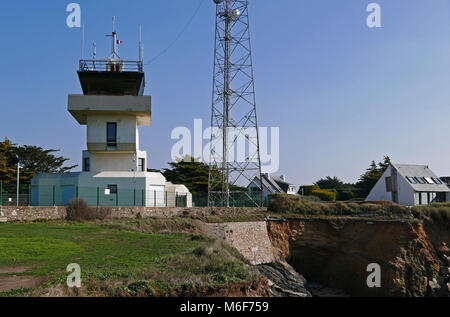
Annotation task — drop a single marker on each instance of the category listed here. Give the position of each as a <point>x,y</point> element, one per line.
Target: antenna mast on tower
<point>233,111</point>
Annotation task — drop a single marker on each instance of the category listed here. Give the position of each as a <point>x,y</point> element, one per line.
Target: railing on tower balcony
<point>111,66</point>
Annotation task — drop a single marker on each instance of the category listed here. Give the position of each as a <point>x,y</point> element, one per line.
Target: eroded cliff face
<point>336,253</point>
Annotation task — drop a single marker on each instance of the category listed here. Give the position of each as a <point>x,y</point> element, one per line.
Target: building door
<point>156,197</point>
<point>109,197</point>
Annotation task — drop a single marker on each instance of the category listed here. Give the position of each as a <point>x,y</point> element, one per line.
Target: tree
<point>7,168</point>
<point>194,174</point>
<point>189,172</point>
<point>369,179</point>
<point>330,183</point>
<point>345,191</point>
<point>34,160</point>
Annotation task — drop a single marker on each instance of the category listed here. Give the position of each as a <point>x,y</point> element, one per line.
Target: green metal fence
<point>53,195</point>
<point>237,199</point>
<point>8,195</point>
<point>99,196</point>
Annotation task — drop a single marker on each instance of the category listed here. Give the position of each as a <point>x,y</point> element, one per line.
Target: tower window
<point>87,164</point>
<point>141,167</point>
<point>111,133</point>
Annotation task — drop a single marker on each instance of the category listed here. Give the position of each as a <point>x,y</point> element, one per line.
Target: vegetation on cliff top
<point>296,205</point>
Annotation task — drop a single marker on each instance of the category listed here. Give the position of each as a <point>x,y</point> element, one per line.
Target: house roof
<point>274,184</point>
<point>280,182</point>
<point>420,171</point>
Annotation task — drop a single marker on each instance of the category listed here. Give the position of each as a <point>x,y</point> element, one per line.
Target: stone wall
<point>251,239</point>
<point>9,213</point>
<point>31,213</point>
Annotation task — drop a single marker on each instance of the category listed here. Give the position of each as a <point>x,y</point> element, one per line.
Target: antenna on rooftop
<point>95,55</point>
<point>82,42</point>
<point>115,54</point>
<point>140,43</point>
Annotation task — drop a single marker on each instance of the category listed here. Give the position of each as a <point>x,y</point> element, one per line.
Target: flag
<point>119,42</point>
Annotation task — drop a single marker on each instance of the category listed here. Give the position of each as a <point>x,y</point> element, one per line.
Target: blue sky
<point>341,93</point>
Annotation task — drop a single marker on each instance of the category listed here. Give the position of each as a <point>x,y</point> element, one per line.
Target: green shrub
<point>438,213</point>
<point>345,195</point>
<point>79,210</point>
<point>307,190</point>
<point>325,194</point>
<point>283,203</point>
<point>311,198</point>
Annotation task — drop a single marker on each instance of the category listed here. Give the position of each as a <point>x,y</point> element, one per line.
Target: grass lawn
<point>116,262</point>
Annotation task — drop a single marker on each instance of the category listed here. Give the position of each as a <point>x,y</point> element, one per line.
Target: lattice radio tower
<point>234,116</point>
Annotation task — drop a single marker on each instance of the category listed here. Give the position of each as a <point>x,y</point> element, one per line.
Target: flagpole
<point>82,43</point>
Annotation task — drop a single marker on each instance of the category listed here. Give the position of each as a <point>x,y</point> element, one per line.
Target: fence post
<point>117,197</point>
<point>29,194</point>
<point>134,197</point>
<point>143,194</point>
<point>54,203</point>
<point>154,198</point>
<point>98,196</point>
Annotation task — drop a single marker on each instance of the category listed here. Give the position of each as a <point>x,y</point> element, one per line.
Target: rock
<point>3,219</point>
<point>319,290</point>
<point>434,285</point>
<point>285,281</point>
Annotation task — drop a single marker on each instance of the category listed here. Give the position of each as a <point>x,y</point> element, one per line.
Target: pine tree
<point>34,160</point>
<point>369,179</point>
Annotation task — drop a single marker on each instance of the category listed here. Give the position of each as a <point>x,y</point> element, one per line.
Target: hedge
<point>325,194</point>
<point>308,189</point>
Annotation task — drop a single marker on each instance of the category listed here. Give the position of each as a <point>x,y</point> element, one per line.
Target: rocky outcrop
<point>336,253</point>
<point>284,281</point>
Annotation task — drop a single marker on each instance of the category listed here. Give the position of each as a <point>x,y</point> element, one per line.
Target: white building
<point>410,185</point>
<point>271,185</point>
<point>112,107</point>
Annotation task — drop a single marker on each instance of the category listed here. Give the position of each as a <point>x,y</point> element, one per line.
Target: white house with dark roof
<point>272,184</point>
<point>410,185</point>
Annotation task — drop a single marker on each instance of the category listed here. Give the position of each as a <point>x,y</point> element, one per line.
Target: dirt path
<point>11,282</point>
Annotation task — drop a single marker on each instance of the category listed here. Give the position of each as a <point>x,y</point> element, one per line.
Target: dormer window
<point>421,180</point>
<point>437,181</point>
<point>412,180</point>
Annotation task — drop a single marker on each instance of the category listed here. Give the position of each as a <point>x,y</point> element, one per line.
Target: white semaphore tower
<point>114,169</point>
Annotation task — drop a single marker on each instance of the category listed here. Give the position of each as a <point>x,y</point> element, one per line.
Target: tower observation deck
<point>113,75</point>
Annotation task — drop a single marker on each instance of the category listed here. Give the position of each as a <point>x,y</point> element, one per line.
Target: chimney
<point>283,178</point>
<point>267,176</point>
